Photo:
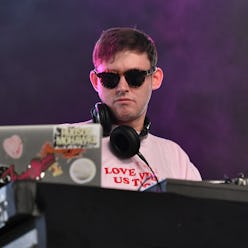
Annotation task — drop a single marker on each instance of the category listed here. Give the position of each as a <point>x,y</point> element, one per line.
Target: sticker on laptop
<point>13,146</point>
<point>76,136</point>
<point>82,170</point>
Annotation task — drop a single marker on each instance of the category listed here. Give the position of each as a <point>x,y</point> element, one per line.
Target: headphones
<point>124,140</point>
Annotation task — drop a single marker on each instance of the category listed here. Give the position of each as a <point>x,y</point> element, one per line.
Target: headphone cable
<point>153,173</point>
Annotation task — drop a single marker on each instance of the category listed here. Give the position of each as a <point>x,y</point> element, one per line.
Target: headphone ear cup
<point>124,142</point>
<point>101,114</point>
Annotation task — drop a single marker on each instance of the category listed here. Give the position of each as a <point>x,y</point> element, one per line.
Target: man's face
<point>127,103</point>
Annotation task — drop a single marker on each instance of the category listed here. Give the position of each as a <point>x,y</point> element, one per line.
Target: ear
<point>94,80</point>
<point>157,78</point>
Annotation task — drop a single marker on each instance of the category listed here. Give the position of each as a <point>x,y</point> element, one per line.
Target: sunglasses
<point>134,77</point>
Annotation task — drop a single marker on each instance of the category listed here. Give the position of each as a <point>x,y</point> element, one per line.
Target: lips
<point>123,100</point>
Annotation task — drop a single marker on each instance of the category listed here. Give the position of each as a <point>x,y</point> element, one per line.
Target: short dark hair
<point>119,39</point>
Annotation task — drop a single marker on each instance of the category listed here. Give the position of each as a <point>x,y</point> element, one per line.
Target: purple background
<point>45,58</point>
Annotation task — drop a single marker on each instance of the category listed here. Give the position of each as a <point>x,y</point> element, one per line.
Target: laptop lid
<point>68,153</point>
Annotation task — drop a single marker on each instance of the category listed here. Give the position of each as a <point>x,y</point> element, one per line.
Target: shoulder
<point>76,123</point>
<point>82,122</point>
<point>162,142</point>
<point>174,156</point>
<point>164,147</point>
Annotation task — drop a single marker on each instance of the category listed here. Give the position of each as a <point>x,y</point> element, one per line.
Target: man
<point>125,74</point>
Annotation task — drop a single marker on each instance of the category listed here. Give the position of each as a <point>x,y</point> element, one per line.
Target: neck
<point>136,124</point>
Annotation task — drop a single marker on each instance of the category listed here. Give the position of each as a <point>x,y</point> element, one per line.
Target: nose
<point>122,85</point>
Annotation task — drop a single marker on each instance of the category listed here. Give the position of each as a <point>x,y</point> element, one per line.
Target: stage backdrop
<point>45,59</point>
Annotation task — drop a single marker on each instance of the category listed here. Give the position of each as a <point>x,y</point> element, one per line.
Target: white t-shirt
<point>165,157</point>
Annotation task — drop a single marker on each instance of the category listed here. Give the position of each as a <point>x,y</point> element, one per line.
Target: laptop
<point>67,153</point>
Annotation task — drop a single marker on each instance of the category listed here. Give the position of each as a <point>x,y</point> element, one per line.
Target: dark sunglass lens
<point>109,80</point>
<point>135,78</point>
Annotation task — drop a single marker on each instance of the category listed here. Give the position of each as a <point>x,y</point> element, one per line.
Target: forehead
<point>125,60</point>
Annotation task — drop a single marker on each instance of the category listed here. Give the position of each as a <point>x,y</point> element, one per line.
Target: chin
<point>124,118</point>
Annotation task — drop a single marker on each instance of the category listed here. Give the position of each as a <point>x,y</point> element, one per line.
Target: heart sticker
<point>13,146</point>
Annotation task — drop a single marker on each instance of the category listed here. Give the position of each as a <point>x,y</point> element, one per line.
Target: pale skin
<point>128,104</point>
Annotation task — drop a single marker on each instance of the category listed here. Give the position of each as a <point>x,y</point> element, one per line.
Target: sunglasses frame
<point>118,76</point>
